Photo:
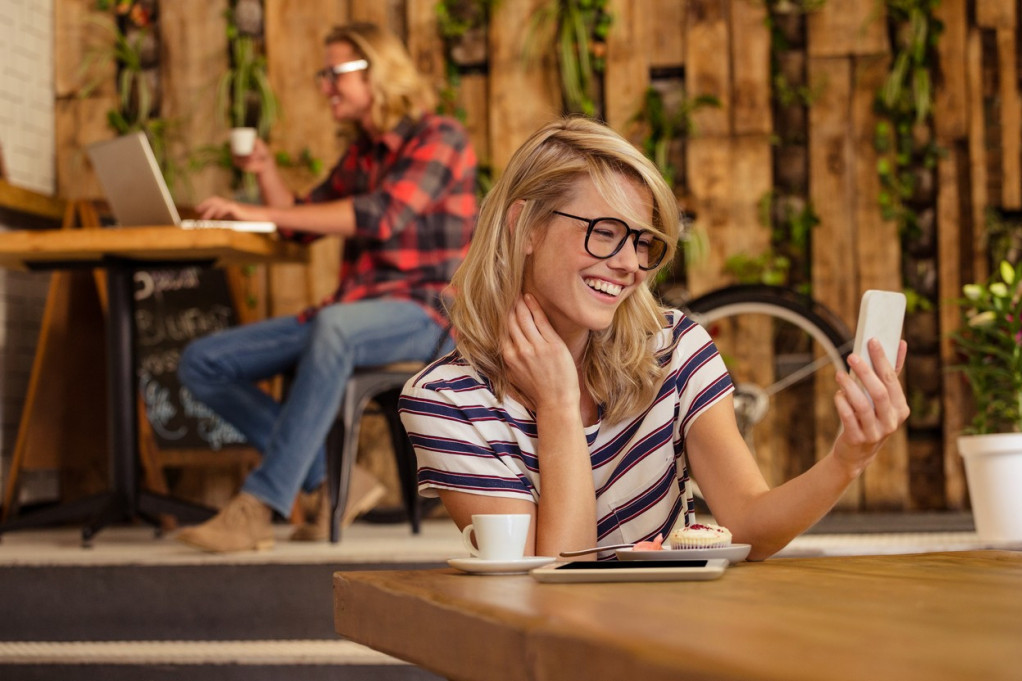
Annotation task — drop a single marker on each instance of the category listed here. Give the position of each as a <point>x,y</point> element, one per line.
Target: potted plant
<point>990,343</point>
<point>244,97</point>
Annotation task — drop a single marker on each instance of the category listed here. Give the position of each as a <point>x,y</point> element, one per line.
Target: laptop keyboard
<point>236,225</point>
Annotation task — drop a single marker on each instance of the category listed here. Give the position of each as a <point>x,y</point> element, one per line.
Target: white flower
<point>1007,272</point>
<point>972,291</point>
<point>983,319</point>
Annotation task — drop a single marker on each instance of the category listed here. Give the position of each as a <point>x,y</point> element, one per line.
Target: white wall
<point>27,138</point>
<point>26,93</point>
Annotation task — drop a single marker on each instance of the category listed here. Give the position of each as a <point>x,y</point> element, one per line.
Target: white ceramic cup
<point>242,141</point>
<point>498,536</point>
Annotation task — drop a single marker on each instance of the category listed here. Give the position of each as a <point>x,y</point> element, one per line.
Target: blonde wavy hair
<point>399,90</point>
<point>620,368</point>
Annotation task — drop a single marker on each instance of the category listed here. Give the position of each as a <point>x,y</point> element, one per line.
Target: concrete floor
<point>439,540</point>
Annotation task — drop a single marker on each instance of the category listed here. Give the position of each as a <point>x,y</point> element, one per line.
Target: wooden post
<point>950,110</point>
<point>707,33</point>
<point>831,166</point>
<point>878,254</point>
<point>839,29</point>
<point>627,74</point>
<point>995,13</point>
<point>472,96</point>
<point>665,34</point>
<point>751,87</point>
<point>194,43</point>
<point>952,123</point>
<point>81,32</point>
<point>977,154</point>
<point>424,43</point>
<point>375,11</point>
<point>1011,117</point>
<point>294,52</point>
<point>524,93</point>
<point>951,216</point>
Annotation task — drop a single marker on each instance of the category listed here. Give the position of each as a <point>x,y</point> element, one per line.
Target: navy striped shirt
<point>468,441</point>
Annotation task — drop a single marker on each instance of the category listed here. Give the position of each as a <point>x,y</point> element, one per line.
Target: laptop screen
<point>132,181</point>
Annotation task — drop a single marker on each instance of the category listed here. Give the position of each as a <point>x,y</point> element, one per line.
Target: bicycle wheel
<point>775,343</point>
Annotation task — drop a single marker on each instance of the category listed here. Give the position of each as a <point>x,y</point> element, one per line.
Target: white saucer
<point>478,566</point>
<point>734,553</point>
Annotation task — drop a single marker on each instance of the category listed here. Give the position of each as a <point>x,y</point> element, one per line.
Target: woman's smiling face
<point>578,292</point>
<point>349,94</point>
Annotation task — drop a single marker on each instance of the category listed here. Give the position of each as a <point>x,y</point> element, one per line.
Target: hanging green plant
<point>244,95</point>
<point>664,126</point>
<point>791,221</point>
<point>783,90</point>
<point>904,136</point>
<point>130,31</point>
<point>456,19</point>
<point>580,29</point>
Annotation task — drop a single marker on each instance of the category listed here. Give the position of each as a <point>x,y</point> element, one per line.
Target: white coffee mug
<point>242,141</point>
<point>498,536</point>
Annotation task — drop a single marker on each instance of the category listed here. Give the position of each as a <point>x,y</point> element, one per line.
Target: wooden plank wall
<point>718,47</point>
<point>853,248</point>
<point>977,121</point>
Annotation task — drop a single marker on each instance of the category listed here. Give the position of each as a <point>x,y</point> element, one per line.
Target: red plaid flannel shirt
<point>415,209</point>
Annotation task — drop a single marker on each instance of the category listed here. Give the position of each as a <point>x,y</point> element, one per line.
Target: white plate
<point>734,553</point>
<point>478,566</point>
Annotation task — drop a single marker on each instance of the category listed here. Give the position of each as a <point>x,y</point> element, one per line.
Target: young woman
<point>573,397</point>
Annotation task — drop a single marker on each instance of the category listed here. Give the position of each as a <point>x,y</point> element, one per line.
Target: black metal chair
<point>382,385</point>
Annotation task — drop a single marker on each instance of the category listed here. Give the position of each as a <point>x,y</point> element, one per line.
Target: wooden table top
<point>20,249</point>
<point>928,617</point>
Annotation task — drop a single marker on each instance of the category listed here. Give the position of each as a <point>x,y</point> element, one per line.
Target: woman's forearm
<point>566,516</point>
<point>275,193</point>
<point>774,518</point>
<point>330,217</point>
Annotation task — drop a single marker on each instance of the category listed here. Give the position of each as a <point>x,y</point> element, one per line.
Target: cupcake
<point>700,537</point>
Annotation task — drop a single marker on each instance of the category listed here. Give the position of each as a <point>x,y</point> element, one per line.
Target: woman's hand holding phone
<point>871,401</point>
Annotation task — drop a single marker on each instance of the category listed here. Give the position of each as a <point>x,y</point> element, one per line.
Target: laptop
<point>137,193</point>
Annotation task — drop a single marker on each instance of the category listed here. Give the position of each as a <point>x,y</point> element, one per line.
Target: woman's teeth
<point>604,286</point>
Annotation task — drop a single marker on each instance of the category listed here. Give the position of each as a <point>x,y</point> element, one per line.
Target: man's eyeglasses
<point>329,74</point>
<point>606,236</point>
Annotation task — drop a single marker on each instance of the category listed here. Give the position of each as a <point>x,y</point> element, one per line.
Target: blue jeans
<point>222,369</point>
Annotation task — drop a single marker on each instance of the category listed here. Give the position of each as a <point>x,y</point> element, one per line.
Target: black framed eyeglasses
<point>329,74</point>
<point>606,236</point>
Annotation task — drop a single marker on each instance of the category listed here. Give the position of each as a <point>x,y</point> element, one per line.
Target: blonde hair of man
<point>399,90</point>
<point>619,366</point>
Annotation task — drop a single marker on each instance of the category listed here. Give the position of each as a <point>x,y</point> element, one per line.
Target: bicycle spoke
<point>805,372</point>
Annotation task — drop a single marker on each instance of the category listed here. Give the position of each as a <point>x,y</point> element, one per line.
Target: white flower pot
<point>993,469</point>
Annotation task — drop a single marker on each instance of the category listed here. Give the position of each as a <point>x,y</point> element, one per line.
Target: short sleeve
<point>462,444</point>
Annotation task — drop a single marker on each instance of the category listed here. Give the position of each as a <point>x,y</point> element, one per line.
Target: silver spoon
<point>595,549</point>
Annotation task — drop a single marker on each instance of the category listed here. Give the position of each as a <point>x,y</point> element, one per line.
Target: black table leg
<point>126,501</point>
<point>123,501</point>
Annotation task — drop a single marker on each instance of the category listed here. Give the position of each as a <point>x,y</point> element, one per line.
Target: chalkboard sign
<point>172,307</point>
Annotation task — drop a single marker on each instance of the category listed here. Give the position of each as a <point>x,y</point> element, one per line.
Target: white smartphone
<point>632,571</point>
<point>881,316</point>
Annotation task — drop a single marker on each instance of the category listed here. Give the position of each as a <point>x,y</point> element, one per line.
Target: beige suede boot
<point>244,524</point>
<point>364,493</point>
